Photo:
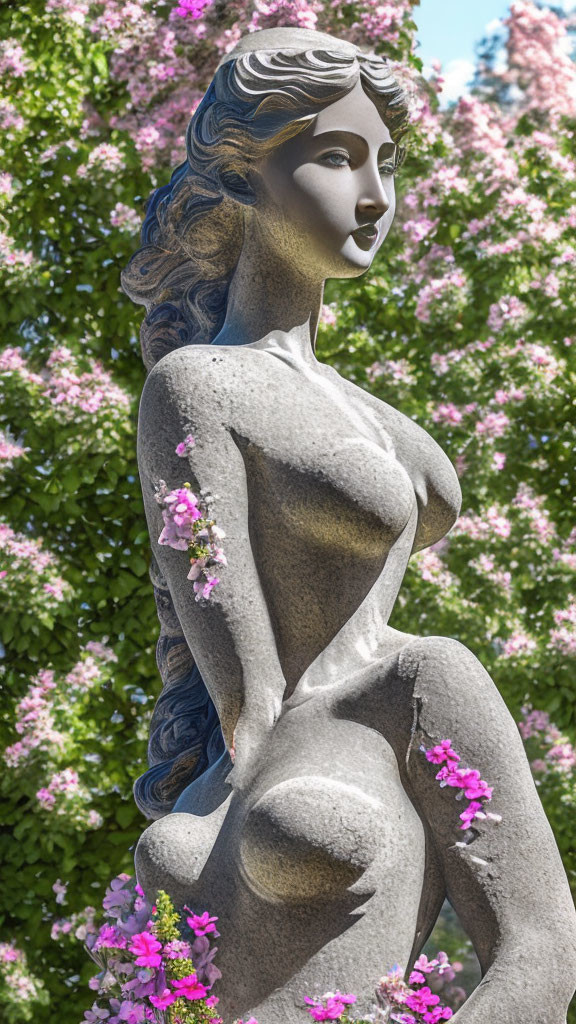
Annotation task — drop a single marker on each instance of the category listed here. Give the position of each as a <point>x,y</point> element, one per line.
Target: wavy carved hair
<point>192,238</point>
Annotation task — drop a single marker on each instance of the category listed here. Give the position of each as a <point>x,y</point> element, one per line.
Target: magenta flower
<point>163,1001</point>
<point>189,9</point>
<point>442,752</point>
<point>203,924</point>
<point>475,787</point>
<point>330,1007</point>
<point>422,999</point>
<point>416,978</point>
<point>146,948</point>
<point>184,447</point>
<point>437,1014</point>
<point>474,810</point>
<point>189,988</point>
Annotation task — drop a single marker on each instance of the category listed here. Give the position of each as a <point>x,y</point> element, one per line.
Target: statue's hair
<point>192,237</point>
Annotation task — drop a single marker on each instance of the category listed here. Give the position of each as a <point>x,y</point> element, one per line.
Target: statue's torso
<point>326,822</point>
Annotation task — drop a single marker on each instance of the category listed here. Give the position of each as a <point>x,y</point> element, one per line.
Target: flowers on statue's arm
<point>466,780</point>
<point>188,526</point>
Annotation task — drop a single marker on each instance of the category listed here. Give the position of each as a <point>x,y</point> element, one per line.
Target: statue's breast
<point>344,497</point>
<point>310,838</point>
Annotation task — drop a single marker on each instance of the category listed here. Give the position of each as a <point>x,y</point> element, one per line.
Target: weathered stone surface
<point>327,848</point>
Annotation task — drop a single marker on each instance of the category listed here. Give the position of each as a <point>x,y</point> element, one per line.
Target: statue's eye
<point>337,159</point>
<point>388,168</point>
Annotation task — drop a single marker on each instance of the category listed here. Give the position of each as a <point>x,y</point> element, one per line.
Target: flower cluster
<point>21,992</point>
<point>151,961</point>
<point>555,752</point>
<point>466,780</point>
<point>28,569</point>
<point>51,719</point>
<point>189,527</point>
<point>330,1006</point>
<point>63,387</point>
<point>418,1001</point>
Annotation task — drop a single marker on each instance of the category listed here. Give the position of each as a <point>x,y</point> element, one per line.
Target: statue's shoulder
<point>200,361</point>
<point>194,375</point>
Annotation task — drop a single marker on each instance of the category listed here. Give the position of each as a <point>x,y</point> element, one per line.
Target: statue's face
<point>326,198</point>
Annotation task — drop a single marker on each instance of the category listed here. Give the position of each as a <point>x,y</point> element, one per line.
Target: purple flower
<point>96,1013</point>
<point>109,938</point>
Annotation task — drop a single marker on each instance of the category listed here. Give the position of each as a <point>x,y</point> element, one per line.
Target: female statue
<point>292,796</point>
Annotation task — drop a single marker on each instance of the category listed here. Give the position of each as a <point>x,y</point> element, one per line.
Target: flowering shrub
<point>54,719</point>
<point>21,993</point>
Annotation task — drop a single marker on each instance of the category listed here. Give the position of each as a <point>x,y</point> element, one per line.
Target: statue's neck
<point>269,298</point>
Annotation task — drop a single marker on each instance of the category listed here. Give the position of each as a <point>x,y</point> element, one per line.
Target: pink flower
<point>425,965</point>
<point>422,999</point>
<point>474,810</point>
<point>442,752</point>
<point>163,1001</point>
<point>184,447</point>
<point>416,978</point>
<point>447,412</point>
<point>494,424</point>
<point>203,588</point>
<point>334,1005</point>
<point>45,798</point>
<point>146,947</point>
<point>189,988</point>
<point>177,950</point>
<point>202,924</point>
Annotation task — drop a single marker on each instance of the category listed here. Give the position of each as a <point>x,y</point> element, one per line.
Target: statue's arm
<point>507,885</point>
<point>231,637</point>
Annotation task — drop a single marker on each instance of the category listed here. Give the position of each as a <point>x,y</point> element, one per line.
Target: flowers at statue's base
<point>150,963</point>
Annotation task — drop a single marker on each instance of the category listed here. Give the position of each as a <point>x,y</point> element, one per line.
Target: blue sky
<point>449,29</point>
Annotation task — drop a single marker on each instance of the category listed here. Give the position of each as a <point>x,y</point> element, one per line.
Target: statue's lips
<point>365,236</point>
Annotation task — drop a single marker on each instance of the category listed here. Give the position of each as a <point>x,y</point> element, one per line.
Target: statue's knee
<point>438,665</point>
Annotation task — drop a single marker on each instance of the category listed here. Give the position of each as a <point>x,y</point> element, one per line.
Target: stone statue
<point>291,793</point>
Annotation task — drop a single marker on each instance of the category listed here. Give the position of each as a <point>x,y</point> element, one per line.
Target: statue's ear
<point>237,187</point>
